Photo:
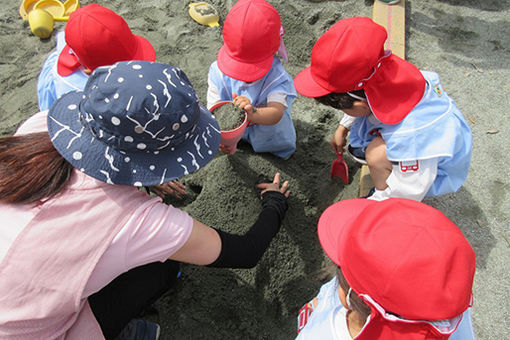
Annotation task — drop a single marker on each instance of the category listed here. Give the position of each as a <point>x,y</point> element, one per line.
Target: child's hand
<point>226,149</point>
<point>174,188</point>
<point>339,139</point>
<point>275,186</point>
<point>244,103</point>
<point>268,115</point>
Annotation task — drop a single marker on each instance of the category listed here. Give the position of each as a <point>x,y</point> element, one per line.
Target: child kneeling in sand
<point>248,73</point>
<point>416,140</point>
<point>94,36</point>
<point>405,271</point>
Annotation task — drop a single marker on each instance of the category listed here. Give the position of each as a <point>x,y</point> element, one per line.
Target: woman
<point>69,232</point>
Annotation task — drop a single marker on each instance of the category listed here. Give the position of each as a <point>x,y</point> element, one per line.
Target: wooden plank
<point>393,18</point>
<point>365,181</point>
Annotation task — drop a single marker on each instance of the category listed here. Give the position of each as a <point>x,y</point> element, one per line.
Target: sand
<point>466,42</point>
<point>229,116</point>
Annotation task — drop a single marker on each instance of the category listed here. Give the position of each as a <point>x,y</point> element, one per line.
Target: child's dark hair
<point>356,304</point>
<point>340,101</point>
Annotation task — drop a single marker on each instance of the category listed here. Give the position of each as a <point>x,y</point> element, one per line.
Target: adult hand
<point>275,186</point>
<point>339,139</point>
<point>174,188</point>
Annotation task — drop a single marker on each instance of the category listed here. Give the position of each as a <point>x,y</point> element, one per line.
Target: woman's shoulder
<point>33,124</point>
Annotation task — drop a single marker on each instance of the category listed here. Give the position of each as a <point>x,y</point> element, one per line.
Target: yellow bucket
<point>41,23</point>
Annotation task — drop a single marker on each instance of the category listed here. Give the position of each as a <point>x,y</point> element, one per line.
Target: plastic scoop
<point>204,14</point>
<point>230,138</point>
<point>339,168</point>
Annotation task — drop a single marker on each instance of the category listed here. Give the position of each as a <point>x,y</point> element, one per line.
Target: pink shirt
<point>153,232</point>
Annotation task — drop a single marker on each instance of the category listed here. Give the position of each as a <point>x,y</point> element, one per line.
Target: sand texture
<point>467,42</point>
<point>229,116</point>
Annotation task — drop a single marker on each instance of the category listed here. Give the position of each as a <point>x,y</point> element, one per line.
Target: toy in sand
<point>204,14</point>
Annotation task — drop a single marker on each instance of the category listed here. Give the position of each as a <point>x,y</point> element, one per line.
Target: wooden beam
<point>393,18</point>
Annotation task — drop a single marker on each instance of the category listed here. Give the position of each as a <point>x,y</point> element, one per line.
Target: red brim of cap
<point>394,90</point>
<point>335,221</point>
<point>145,50</point>
<point>247,72</point>
<point>307,86</point>
<point>67,62</point>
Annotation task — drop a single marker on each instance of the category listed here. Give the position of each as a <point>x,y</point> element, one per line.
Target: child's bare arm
<point>269,115</point>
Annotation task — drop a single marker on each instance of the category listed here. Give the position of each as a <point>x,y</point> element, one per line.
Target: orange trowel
<point>339,168</point>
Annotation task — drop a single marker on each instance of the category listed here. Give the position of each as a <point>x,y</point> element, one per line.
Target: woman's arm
<point>209,246</point>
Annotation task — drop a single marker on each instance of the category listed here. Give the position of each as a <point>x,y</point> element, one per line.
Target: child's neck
<point>355,323</point>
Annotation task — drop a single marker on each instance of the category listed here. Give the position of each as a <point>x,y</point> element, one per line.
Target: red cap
<point>350,56</point>
<point>251,35</point>
<point>402,256</point>
<point>97,36</point>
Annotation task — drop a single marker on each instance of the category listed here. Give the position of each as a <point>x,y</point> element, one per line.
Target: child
<point>405,271</point>
<point>416,140</point>
<point>95,36</point>
<point>248,72</point>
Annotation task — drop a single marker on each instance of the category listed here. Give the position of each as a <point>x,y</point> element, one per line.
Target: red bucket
<point>230,138</point>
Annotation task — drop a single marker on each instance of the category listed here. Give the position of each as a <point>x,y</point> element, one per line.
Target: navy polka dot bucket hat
<point>135,123</point>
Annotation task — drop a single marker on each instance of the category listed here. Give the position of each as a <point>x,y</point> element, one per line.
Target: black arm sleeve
<point>245,251</point>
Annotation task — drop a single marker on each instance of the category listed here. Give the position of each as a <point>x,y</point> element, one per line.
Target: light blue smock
<point>435,128</point>
<point>278,139</point>
<point>51,85</point>
<point>320,322</point>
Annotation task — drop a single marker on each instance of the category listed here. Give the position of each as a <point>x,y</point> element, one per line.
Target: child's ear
<point>363,103</point>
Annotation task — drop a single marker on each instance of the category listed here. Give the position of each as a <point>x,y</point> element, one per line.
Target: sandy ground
<point>466,42</point>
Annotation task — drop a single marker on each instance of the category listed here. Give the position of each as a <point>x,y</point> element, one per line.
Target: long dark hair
<point>31,169</point>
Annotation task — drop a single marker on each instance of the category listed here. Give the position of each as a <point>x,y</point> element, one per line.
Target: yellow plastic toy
<point>26,7</point>
<point>54,7</point>
<point>204,14</point>
<point>60,11</point>
<point>41,23</point>
<point>70,6</point>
